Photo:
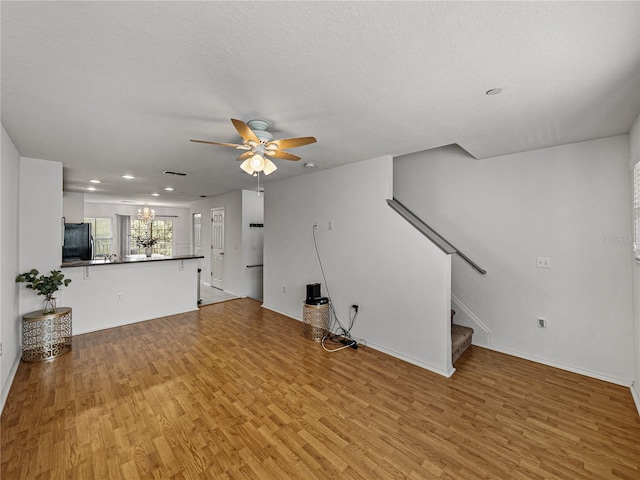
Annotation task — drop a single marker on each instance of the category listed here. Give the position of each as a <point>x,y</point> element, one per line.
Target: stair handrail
<point>437,239</point>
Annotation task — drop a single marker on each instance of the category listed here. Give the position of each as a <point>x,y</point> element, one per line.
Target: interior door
<point>197,228</point>
<point>217,248</point>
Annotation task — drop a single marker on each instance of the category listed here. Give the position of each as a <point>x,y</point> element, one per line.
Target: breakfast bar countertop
<point>129,259</point>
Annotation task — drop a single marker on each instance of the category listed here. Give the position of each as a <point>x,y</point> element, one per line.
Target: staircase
<point>460,336</point>
<point>460,339</point>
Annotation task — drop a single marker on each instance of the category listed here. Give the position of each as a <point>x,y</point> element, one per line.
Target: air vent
<point>169,172</point>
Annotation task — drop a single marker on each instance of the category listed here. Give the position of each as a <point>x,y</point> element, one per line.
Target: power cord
<point>342,335</point>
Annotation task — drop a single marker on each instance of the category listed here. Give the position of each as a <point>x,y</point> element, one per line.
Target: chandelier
<point>146,214</point>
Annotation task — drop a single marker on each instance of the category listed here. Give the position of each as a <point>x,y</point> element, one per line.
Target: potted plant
<point>147,242</point>
<point>46,285</point>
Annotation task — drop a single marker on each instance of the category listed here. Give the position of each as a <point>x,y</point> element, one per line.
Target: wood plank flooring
<point>234,391</point>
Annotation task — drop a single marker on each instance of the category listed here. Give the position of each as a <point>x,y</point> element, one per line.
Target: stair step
<point>460,340</point>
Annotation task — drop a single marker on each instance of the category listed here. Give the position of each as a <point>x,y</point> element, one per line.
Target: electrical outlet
<point>119,296</point>
<point>543,262</point>
<point>284,289</point>
<point>542,322</point>
<point>0,349</point>
<point>315,225</point>
<point>87,273</point>
<point>330,225</point>
<point>181,265</point>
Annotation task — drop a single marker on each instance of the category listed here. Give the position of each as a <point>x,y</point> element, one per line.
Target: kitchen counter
<point>129,259</point>
<point>139,289</point>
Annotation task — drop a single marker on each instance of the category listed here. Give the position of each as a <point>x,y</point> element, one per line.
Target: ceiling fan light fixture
<point>246,166</point>
<point>269,166</point>
<point>257,162</point>
<point>259,143</point>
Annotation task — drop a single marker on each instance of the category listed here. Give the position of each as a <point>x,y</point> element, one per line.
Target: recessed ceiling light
<point>95,181</point>
<point>309,165</point>
<point>93,189</point>
<point>169,189</point>
<point>493,91</point>
<point>128,177</point>
<point>155,194</point>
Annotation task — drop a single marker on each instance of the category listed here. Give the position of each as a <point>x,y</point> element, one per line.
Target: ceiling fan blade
<point>244,156</point>
<point>292,142</point>
<point>233,145</point>
<point>245,132</point>
<point>284,155</point>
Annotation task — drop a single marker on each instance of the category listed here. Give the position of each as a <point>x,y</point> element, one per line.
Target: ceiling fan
<point>260,144</point>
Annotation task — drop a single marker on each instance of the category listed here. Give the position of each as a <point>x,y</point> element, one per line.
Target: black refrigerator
<point>78,242</point>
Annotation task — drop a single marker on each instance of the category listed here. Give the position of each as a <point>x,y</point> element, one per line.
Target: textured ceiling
<point>110,88</point>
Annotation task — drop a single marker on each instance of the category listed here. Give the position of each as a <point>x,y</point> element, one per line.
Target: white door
<point>197,228</point>
<point>217,248</point>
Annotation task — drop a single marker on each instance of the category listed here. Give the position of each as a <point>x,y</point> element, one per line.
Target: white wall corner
<point>8,381</point>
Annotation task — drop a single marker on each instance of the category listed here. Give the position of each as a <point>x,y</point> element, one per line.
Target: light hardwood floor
<point>233,391</point>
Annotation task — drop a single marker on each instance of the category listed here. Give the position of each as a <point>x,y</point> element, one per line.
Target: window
<point>162,230</point>
<point>102,236</point>
<point>636,210</point>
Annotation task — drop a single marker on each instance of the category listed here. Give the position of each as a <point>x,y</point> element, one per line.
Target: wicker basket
<point>315,321</point>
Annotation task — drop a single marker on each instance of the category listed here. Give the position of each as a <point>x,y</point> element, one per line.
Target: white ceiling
<point>110,88</point>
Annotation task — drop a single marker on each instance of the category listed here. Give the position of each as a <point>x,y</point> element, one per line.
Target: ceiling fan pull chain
<point>258,183</point>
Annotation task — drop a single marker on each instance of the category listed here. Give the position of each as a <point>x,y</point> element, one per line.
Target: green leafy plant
<point>46,285</point>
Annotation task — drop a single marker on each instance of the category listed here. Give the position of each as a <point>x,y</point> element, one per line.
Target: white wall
<point>148,290</point>
<point>569,203</point>
<point>9,316</point>
<point>252,242</point>
<point>634,150</point>
<point>40,223</point>
<point>73,207</point>
<point>181,222</point>
<point>234,269</point>
<point>372,258</point>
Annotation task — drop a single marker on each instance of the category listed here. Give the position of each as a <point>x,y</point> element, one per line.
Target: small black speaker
<point>313,291</point>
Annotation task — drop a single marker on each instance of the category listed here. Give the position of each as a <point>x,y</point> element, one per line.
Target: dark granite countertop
<point>127,260</point>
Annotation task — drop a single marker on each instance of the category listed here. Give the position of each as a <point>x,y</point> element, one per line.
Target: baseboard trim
<point>580,371</point>
<point>491,346</point>
<point>635,393</point>
<point>9,381</point>
<point>128,322</point>
<point>268,307</point>
<point>473,317</point>
<point>445,373</point>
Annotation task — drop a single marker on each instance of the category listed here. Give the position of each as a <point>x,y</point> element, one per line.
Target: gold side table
<point>46,336</point>
<point>316,321</point>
